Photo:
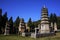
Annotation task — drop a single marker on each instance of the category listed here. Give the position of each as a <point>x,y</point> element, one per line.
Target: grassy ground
<point>16,37</point>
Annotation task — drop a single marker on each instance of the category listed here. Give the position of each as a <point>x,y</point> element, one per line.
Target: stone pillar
<point>51,24</point>
<point>51,27</point>
<point>6,29</point>
<point>34,35</point>
<point>39,26</point>
<point>21,26</point>
<point>55,26</point>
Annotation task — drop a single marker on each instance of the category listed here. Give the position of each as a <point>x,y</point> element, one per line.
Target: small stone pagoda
<point>22,26</point>
<point>7,29</point>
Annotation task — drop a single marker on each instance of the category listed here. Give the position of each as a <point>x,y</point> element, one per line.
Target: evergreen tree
<point>11,25</point>
<point>16,24</point>
<point>55,18</point>
<point>36,23</point>
<point>17,21</point>
<point>31,25</point>
<point>51,19</point>
<point>4,20</point>
<point>0,20</point>
<point>29,22</point>
<point>58,22</point>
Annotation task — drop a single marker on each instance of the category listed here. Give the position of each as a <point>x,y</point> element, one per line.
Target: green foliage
<point>11,25</point>
<point>11,21</point>
<point>31,25</point>
<point>29,22</point>
<point>4,19</point>
<point>53,18</point>
<point>0,19</point>
<point>36,23</point>
<point>16,24</point>
<point>58,22</point>
<point>17,21</point>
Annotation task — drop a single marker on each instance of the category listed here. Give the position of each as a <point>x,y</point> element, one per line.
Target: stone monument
<point>22,27</point>
<point>7,29</point>
<point>55,27</point>
<point>44,28</point>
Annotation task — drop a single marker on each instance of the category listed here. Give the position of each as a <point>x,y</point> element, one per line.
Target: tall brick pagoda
<point>44,28</point>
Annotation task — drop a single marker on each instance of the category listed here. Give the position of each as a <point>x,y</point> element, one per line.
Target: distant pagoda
<point>44,28</point>
<point>22,25</point>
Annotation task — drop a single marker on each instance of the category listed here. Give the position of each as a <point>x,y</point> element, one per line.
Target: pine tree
<point>0,20</point>
<point>51,18</point>
<point>16,24</point>
<point>58,22</point>
<point>29,22</point>
<point>4,20</point>
<point>11,25</point>
<point>31,25</point>
<point>55,18</point>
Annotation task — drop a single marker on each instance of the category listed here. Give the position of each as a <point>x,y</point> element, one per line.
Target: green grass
<point>17,37</point>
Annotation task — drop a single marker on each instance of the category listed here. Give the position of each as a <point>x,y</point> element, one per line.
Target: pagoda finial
<point>44,6</point>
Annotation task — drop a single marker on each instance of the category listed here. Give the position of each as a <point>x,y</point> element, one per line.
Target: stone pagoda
<point>7,29</point>
<point>21,26</point>
<point>44,26</point>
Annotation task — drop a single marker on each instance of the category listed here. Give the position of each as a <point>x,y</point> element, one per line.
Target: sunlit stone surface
<point>44,28</point>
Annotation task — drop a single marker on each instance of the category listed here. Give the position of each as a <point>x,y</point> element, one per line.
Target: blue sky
<point>29,8</point>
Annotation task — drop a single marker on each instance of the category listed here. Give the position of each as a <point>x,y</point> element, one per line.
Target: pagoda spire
<point>44,6</point>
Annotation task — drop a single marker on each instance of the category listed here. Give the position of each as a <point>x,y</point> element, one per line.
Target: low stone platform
<point>37,35</point>
<point>26,34</point>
